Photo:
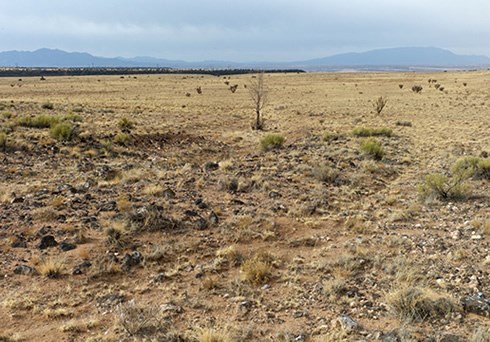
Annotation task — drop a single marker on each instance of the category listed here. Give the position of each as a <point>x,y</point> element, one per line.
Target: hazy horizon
<point>242,31</point>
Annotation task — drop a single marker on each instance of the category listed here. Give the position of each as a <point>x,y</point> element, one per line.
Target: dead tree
<point>258,92</point>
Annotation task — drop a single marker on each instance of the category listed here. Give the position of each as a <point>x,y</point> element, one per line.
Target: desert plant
<point>39,121</point>
<point>371,132</point>
<point>51,267</point>
<point>140,320</point>
<point>417,89</point>
<point>420,304</point>
<point>482,334</point>
<point>62,132</point>
<point>472,166</point>
<point>199,90</point>
<point>400,86</point>
<point>256,271</point>
<point>325,173</point>
<point>372,148</point>
<point>123,139</point>
<point>272,141</point>
<point>3,141</point>
<point>439,186</point>
<point>259,94</point>
<point>380,104</point>
<point>125,125</point>
<point>211,335</point>
<point>330,136</point>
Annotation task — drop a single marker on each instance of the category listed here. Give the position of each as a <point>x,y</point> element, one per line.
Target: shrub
<point>371,132</point>
<point>325,173</point>
<point>51,268</point>
<point>400,86</point>
<point>3,141</point>
<point>39,121</point>
<point>258,270</point>
<point>372,148</point>
<point>7,115</point>
<point>122,138</point>
<point>471,166</point>
<point>140,320</point>
<point>125,125</point>
<point>47,105</point>
<point>417,304</point>
<point>72,117</point>
<point>439,186</point>
<point>379,104</point>
<point>417,89</point>
<point>272,141</point>
<point>62,132</point>
<point>329,136</point>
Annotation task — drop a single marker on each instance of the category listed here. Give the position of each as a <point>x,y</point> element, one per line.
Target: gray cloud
<point>242,30</point>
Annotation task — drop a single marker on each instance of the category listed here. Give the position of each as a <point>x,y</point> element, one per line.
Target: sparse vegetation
<point>439,186</point>
<point>125,125</point>
<point>259,94</point>
<point>372,132</point>
<point>380,104</point>
<point>51,267</point>
<point>38,121</point>
<point>372,148</point>
<point>272,142</point>
<point>417,89</point>
<point>62,132</point>
<point>123,139</point>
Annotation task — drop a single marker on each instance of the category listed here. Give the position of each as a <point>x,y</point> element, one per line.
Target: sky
<point>242,30</point>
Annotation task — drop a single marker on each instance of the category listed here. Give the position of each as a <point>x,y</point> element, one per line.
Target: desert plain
<point>136,208</point>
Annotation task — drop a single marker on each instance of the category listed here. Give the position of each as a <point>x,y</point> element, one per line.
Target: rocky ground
<point>160,217</point>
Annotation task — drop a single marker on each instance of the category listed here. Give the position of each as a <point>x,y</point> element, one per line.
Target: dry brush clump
<point>417,89</point>
<point>372,148</point>
<point>372,132</point>
<point>380,104</point>
<point>272,141</point>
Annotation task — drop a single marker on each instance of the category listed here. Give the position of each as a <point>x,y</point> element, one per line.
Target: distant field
<point>132,207</point>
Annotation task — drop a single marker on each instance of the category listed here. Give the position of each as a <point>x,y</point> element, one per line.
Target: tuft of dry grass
<point>51,267</point>
<point>212,335</point>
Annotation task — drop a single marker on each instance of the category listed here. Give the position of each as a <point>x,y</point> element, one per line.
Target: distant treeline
<point>26,72</point>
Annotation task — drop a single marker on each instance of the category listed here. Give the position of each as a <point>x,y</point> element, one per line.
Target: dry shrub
<point>420,304</point>
<point>380,104</point>
<point>51,267</point>
<point>141,320</point>
<point>258,270</point>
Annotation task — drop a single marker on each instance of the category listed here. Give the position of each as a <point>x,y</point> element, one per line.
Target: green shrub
<point>272,141</point>
<point>39,121</point>
<point>330,136</point>
<point>123,139</point>
<point>471,166</point>
<point>125,125</point>
<point>62,132</point>
<point>7,115</point>
<point>3,141</point>
<point>372,132</point>
<point>372,148</point>
<point>442,187</point>
<point>72,117</point>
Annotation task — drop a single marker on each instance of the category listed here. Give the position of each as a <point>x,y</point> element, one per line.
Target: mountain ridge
<point>401,56</point>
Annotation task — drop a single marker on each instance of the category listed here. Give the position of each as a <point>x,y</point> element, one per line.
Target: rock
<point>189,212</point>
<point>110,300</point>
<point>159,278</point>
<point>168,194</point>
<point>17,200</point>
<point>213,218</point>
<point>47,241</point>
<point>81,267</point>
<point>392,336</point>
<point>19,242</point>
<point>108,206</point>
<point>476,237</point>
<point>274,194</point>
<point>201,204</point>
<point>347,323</point>
<point>23,269</point>
<point>201,224</point>
<point>477,304</point>
<point>450,338</point>
<point>66,246</point>
<point>211,166</point>
<point>131,259</point>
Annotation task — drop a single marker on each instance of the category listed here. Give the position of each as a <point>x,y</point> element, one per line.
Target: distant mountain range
<point>381,59</point>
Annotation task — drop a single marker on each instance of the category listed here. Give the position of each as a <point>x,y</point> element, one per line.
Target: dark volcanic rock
<point>19,242</point>
<point>477,304</point>
<point>47,241</point>
<point>66,246</point>
<point>78,269</point>
<point>201,224</point>
<point>131,259</point>
<point>23,269</point>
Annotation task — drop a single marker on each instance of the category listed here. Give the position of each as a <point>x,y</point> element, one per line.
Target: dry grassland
<point>131,211</point>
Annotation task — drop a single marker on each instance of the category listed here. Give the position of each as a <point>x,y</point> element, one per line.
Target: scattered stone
<point>23,269</point>
<point>477,304</point>
<point>159,278</point>
<point>201,204</point>
<point>17,200</point>
<point>476,237</point>
<point>109,206</point>
<point>66,246</point>
<point>168,193</point>
<point>274,194</point>
<point>450,338</point>
<point>211,166</point>
<point>347,323</point>
<point>213,218</point>
<point>19,242</point>
<point>110,300</point>
<point>191,213</point>
<point>201,224</point>
<point>130,260</point>
<point>47,241</point>
<point>81,267</point>
<point>391,336</point>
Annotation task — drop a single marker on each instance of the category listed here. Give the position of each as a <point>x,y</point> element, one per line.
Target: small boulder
<point>131,259</point>
<point>23,269</point>
<point>477,304</point>
<point>47,241</point>
<point>66,246</point>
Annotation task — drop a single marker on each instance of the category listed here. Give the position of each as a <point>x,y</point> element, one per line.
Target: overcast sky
<point>242,30</point>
